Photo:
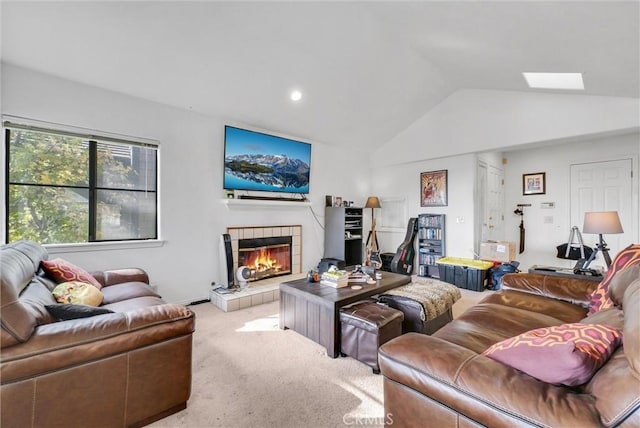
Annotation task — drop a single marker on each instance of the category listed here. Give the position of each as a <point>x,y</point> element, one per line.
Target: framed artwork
<point>433,189</point>
<point>534,183</point>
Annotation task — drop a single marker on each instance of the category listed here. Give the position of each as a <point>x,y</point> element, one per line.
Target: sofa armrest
<point>480,388</point>
<point>573,290</point>
<point>64,344</point>
<point>118,276</point>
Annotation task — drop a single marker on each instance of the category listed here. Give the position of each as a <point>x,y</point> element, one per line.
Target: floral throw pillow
<point>62,271</point>
<point>77,293</point>
<point>567,354</point>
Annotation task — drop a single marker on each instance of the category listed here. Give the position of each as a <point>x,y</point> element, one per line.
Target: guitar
<point>402,262</point>
<point>373,252</point>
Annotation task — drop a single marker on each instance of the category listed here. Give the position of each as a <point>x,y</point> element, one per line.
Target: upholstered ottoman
<point>365,326</point>
<point>426,304</point>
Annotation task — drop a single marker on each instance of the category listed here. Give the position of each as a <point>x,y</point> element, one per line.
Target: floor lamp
<point>373,202</point>
<point>601,222</point>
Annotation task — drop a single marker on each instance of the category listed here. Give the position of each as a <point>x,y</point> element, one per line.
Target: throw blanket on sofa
<point>436,297</point>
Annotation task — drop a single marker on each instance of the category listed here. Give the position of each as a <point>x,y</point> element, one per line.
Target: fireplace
<point>244,238</point>
<point>266,257</point>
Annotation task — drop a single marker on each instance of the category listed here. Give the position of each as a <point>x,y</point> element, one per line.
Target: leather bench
<point>426,304</point>
<point>365,326</point>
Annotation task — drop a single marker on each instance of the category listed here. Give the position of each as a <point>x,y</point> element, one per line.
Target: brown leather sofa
<point>443,380</point>
<point>126,368</point>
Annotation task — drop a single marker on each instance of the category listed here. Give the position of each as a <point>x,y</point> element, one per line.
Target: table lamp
<point>601,222</point>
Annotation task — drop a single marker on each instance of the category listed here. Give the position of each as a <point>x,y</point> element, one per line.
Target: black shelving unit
<point>343,234</point>
<point>431,243</point>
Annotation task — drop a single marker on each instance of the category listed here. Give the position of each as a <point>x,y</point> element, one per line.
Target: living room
<point>50,78</point>
<point>191,152</point>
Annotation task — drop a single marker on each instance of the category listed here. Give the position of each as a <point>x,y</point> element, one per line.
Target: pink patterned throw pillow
<point>62,271</point>
<point>567,354</point>
<point>600,297</point>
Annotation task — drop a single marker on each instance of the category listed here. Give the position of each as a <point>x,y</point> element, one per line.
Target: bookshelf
<point>431,243</point>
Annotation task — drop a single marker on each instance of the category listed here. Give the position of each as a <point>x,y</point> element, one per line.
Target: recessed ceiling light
<point>296,95</point>
<point>571,81</point>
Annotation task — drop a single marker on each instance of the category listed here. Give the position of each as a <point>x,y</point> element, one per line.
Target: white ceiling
<point>367,70</point>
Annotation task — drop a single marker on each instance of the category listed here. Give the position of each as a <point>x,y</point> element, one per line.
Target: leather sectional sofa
<point>129,367</point>
<point>444,380</point>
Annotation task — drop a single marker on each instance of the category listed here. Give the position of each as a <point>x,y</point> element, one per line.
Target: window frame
<point>94,139</point>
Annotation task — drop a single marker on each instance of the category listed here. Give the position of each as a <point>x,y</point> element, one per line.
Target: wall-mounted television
<point>257,161</point>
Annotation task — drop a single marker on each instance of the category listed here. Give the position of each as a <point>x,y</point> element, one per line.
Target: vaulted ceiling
<point>367,70</point>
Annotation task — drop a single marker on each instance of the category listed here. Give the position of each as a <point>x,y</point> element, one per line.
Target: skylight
<point>572,81</point>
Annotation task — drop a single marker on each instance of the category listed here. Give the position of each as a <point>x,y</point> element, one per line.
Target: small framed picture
<point>534,183</point>
<point>338,201</point>
<point>433,189</point>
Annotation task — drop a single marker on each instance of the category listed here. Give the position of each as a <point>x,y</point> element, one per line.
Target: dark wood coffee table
<point>313,309</point>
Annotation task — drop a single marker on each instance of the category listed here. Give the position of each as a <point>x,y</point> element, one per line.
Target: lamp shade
<point>602,222</point>
<point>372,202</point>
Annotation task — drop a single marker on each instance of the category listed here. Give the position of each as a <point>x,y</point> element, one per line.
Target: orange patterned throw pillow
<point>77,293</point>
<point>567,354</point>
<point>600,298</point>
<point>62,271</point>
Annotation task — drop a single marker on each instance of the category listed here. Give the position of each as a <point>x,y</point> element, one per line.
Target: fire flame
<point>263,261</point>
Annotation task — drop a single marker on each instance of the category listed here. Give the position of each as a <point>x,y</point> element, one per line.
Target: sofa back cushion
<point>631,305</point>
<point>620,282</point>
<point>615,386</point>
<point>20,262</point>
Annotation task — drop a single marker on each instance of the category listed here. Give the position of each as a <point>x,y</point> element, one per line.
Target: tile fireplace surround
<point>266,290</point>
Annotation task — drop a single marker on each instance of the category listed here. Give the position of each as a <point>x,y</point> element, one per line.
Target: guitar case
<point>402,262</point>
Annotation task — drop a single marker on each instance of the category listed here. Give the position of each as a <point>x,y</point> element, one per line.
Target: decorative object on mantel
<point>601,222</point>
<point>433,189</point>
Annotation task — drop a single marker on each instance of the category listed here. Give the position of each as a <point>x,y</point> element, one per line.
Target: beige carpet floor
<point>249,373</point>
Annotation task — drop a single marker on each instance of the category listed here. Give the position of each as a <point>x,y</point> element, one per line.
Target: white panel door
<point>481,225</point>
<point>489,203</point>
<point>603,186</point>
<point>495,203</point>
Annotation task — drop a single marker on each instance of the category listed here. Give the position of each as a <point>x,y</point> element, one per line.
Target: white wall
<point>555,161</point>
<point>192,216</point>
<point>474,120</point>
<point>403,181</point>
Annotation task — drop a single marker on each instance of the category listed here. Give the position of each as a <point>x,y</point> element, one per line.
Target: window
<point>71,188</point>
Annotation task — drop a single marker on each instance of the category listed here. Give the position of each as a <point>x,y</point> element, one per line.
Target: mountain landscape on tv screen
<point>272,170</point>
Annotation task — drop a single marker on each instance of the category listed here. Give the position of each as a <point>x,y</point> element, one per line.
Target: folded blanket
<point>436,297</point>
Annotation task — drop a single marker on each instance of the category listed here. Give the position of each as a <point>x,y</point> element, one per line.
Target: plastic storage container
<point>464,273</point>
